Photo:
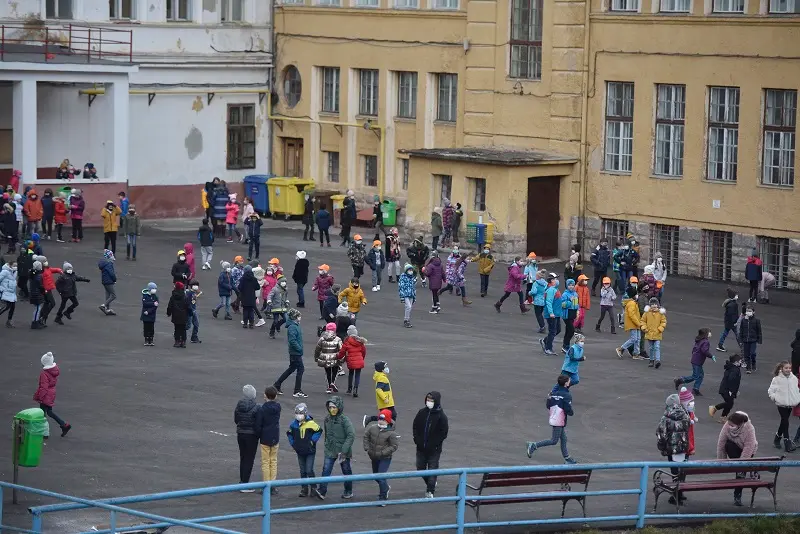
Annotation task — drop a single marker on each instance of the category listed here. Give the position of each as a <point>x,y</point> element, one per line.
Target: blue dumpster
<point>255,187</point>
<point>480,233</point>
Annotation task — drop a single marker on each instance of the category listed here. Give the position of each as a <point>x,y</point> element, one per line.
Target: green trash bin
<point>389,212</point>
<point>34,428</point>
<point>67,190</point>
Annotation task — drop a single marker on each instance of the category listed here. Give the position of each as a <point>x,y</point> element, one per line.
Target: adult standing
<point>447,222</point>
<point>348,215</point>
<point>784,392</point>
<point>430,430</point>
<point>339,438</point>
<point>436,227</point>
<point>796,352</point>
<point>244,415</point>
<point>753,272</point>
<point>737,439</point>
<point>221,198</point>
<point>308,219</point>
<point>455,223</point>
<point>601,259</point>
<point>295,337</point>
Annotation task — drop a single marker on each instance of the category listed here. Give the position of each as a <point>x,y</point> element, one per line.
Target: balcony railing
<point>37,41</point>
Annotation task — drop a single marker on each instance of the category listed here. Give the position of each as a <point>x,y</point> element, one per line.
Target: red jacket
<point>47,278</point>
<point>46,393</point>
<point>60,212</point>
<point>354,351</point>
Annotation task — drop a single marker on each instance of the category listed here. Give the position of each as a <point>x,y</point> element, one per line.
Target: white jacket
<point>659,271</point>
<point>784,391</point>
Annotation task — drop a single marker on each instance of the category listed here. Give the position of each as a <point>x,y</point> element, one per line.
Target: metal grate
<point>716,255</point>
<point>614,230</point>
<point>774,253</point>
<point>664,239</point>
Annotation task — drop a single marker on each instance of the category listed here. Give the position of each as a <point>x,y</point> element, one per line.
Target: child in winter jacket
<point>572,360</point>
<point>552,310</point>
<point>376,261</point>
<point>132,229</point>
<point>109,280</point>
<point>278,304</point>
<point>728,387</point>
<point>326,355</point>
<point>357,253</point>
<point>247,211</point>
<point>354,296</point>
<point>189,250</point>
<point>46,392</point>
<point>205,235</point>
<point>393,254</point>
<point>380,443</point>
<point>731,307</point>
<point>237,270</point>
<point>148,315</point>
<point>300,276</point>
<point>178,310</point>
<point>67,288</point>
<point>750,336</point>
<point>193,292</point>
<point>8,291</point>
<point>784,392</point>
<point>700,353</point>
<point>569,311</point>
<point>559,405</point>
<point>253,226</point>
<point>687,401</point>
<point>531,268</point>
<point>303,434</point>
<point>60,210</point>
<point>407,288</point>
<point>354,353</point>
<point>514,285</point>
<point>607,298</point>
<point>654,322</point>
<point>537,294</point>
<point>231,217</point>
<point>225,287</point>
<point>383,392</point>
<point>632,324</point>
<point>322,284</point>
<point>485,265</point>
<point>584,302</point>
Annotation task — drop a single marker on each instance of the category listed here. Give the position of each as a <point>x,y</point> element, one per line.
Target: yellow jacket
<point>355,298</point>
<point>111,219</point>
<point>485,263</point>
<point>204,199</point>
<point>383,390</point>
<point>654,322</point>
<point>633,320</point>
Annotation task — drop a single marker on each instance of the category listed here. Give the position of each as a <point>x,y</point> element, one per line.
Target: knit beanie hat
<point>37,266</point>
<point>342,310</point>
<point>301,255</point>
<point>224,264</point>
<point>685,396</point>
<point>48,362</point>
<point>380,366</point>
<point>179,286</point>
<point>385,415</point>
<point>152,285</point>
<point>330,327</point>
<point>351,330</point>
<point>301,408</point>
<point>108,255</point>
<point>249,392</point>
<point>293,314</point>
<point>653,302</point>
<point>67,265</point>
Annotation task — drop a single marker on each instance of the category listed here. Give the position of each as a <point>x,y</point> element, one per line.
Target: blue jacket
<point>268,419</point>
<point>407,286</point>
<point>372,255</point>
<point>225,284</point>
<point>601,258</point>
<point>569,304</point>
<point>254,227</point>
<point>552,305</point>
<point>303,436</point>
<point>109,276</point>
<point>561,397</point>
<point>572,359</point>
<point>191,301</point>
<point>530,271</point>
<point>295,337</point>
<point>123,206</point>
<point>149,305</point>
<point>538,290</point>
<point>323,219</point>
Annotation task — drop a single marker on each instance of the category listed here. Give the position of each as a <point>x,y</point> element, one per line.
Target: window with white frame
<point>670,118</point>
<point>444,186</point>
<point>445,4</point>
<point>624,5</point>
<point>330,89</point>
<point>447,104</point>
<point>407,95</point>
<point>723,133</point>
<point>780,122</point>
<point>58,9</point>
<point>289,2</point>
<point>526,39</point>
<point>774,252</point>
<point>367,3</point>
<point>478,194</point>
<point>368,95</point>
<point>231,10</point>
<point>728,6</point>
<point>120,9</point>
<point>784,6</point>
<point>370,170</point>
<point>178,10</point>
<point>333,166</point>
<point>405,168</point>
<point>329,2</point>
<point>406,4</point>
<point>675,6</point>
<point>619,126</point>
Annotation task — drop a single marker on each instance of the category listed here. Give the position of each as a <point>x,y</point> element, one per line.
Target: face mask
<point>298,319</point>
<point>358,242</point>
<point>429,404</point>
<point>69,271</point>
<point>736,297</point>
<point>307,197</point>
<point>355,286</point>
<point>690,406</point>
<point>45,264</point>
<point>410,273</point>
<point>376,248</point>
<point>486,251</point>
<point>270,272</point>
<point>709,334</point>
<point>195,288</point>
<point>322,273</point>
<point>283,284</point>
<point>383,424</point>
<point>333,410</point>
<point>455,252</point>
<point>747,314</point>
<point>153,291</point>
<point>227,269</point>
<point>580,344</point>
<point>299,416</point>
<point>386,369</point>
<point>14,268</point>
<point>182,258</point>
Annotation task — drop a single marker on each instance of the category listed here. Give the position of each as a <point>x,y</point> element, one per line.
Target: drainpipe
<point>584,151</point>
<point>270,83</point>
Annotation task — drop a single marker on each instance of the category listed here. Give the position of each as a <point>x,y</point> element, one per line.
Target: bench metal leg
<point>752,498</point>
<point>582,500</point>
<point>563,507</point>
<point>656,494</point>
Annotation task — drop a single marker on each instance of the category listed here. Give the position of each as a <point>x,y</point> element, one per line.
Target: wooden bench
<point>531,478</point>
<point>674,485</point>
<point>149,530</point>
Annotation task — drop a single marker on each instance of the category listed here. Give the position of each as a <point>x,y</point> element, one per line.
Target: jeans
<point>727,405</point>
<point>59,231</point>
<point>131,245</point>
<point>248,445</point>
<point>77,228</point>
<point>232,229</point>
<point>654,348</point>
<point>295,364</point>
<point>254,246</point>
<point>484,284</point>
<point>193,322</point>
<point>408,302</point>
<point>538,311</point>
<point>111,295</point>
<point>306,462</point>
<point>428,460</point>
<point>110,241</point>
<point>507,294</point>
<point>633,341</point>
<point>376,277</point>
<point>269,462</point>
<point>353,379</point>
<point>724,335</point>
<point>553,328</point>
<point>224,301</point>
<point>749,349</point>
<point>278,320</point>
<point>559,434</point>
<point>381,466</point>
<point>35,227</point>
<point>697,377</point>
<point>783,427</point>
<point>327,469</point>
<point>301,297</point>
<point>73,304</point>
<point>207,253</point>
<point>625,276</point>
<point>48,411</point>
<point>37,310</point>
<point>435,242</point>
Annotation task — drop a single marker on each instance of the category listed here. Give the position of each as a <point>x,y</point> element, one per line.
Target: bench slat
<point>725,484</point>
<point>518,500</point>
<point>533,474</point>
<point>535,481</point>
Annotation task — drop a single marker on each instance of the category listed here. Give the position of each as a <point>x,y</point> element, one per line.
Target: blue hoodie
<point>572,359</point>
<point>569,301</point>
<point>538,290</point>
<point>552,305</point>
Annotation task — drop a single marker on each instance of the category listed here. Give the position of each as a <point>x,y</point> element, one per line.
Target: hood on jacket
<point>189,248</point>
<point>336,401</point>
<point>32,192</point>
<point>730,365</point>
<point>662,311</point>
<point>750,260</point>
<point>352,286</point>
<point>437,399</point>
<point>328,335</point>
<point>343,310</point>
<point>436,261</point>
<point>17,197</point>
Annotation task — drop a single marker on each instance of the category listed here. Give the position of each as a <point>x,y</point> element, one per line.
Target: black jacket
<point>730,380</point>
<point>66,286</point>
<point>177,308</point>
<point>35,287</point>
<point>181,272</point>
<point>10,225</point>
<point>248,286</point>
<point>796,351</point>
<point>329,306</point>
<point>268,419</point>
<point>430,426</point>
<point>24,263</point>
<point>300,273</point>
<point>750,330</point>
<point>244,415</point>
<point>731,313</point>
<point>308,212</point>
<point>206,236</point>
<point>343,322</point>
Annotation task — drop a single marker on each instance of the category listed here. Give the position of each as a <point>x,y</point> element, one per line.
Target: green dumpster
<point>389,212</point>
<point>34,428</point>
<point>67,190</point>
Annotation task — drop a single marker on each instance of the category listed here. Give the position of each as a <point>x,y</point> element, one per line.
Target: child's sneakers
<point>618,350</point>
<point>407,324</point>
<point>299,395</point>
<point>375,288</point>
<point>261,322</point>
<point>530,446</point>
<point>720,347</point>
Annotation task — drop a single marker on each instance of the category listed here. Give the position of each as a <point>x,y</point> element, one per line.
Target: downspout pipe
<point>271,85</point>
<point>584,149</point>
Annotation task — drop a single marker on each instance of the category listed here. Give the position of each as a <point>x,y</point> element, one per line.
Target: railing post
<point>461,505</point>
<point>1,508</point>
<point>130,46</point>
<point>36,522</point>
<point>89,45</point>
<point>2,41</point>
<point>112,523</point>
<point>641,509</point>
<point>266,508</point>
<point>70,38</point>
<point>100,45</point>
<point>46,40</point>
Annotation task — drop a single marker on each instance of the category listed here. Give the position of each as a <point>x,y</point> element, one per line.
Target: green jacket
<point>339,432</point>
<point>130,225</point>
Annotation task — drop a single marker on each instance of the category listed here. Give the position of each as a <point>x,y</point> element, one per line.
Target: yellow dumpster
<point>336,209</point>
<point>286,195</point>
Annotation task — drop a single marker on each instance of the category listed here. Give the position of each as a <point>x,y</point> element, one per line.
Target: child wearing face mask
<point>700,353</point>
<point>383,393</point>
<point>572,360</point>
<point>148,315</point>
<point>728,387</point>
<point>584,302</point>
<point>110,214</point>
<point>569,312</point>
<point>750,337</point>
<point>225,287</point>
<point>485,265</point>
<point>180,269</point>
<point>278,303</point>
<point>784,392</point>
<point>303,435</point>
<point>322,285</point>
<point>514,285</point>
<point>354,296</point>
<point>730,318</point>
<point>376,261</point>
<point>109,280</point>
<point>687,401</point>
<point>607,298</point>
<point>8,291</point>
<point>531,268</point>
<point>407,288</point>
<point>552,312</point>
<point>67,288</point>
<point>537,295</point>
<point>237,270</point>
<point>357,254</point>
<point>193,320</point>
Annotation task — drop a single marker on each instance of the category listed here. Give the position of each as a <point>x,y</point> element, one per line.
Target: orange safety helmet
<point>274,261</point>
<point>357,237</point>
<point>376,243</point>
<point>532,256</point>
<point>606,280</point>
<point>324,267</point>
<point>633,280</point>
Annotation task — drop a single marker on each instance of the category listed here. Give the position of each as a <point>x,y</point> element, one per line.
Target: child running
<point>407,288</point>
<point>654,322</point>
<point>728,387</point>
<point>46,392</point>
<point>66,285</point>
<point>632,324</point>
<point>572,360</point>
<point>559,404</point>
<point>225,287</point>
<point>700,353</point>
<point>584,302</point>
<point>485,265</point>
<point>514,285</point>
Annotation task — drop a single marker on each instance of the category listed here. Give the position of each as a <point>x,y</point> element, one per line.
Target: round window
<point>292,86</point>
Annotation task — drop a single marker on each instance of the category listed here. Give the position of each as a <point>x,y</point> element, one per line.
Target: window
<point>370,171</point>
<point>784,6</point>
<point>676,6</point>
<point>58,9</point>
<point>407,95</point>
<point>330,89</point>
<point>664,238</point>
<point>292,85</point>
<point>723,133</point>
<point>615,230</point>
<point>670,116</point>
<point>368,97</point>
<point>333,166</point>
<point>619,126</point>
<point>329,2</point>
<point>448,97</point>
<point>780,111</point>
<point>728,6</point>
<point>120,9</point>
<point>366,3</point>
<point>445,4</point>
<point>406,4</point>
<point>405,163</point>
<point>774,252</point>
<point>526,39</point>
<point>716,255</point>
<point>479,196</point>
<point>232,11</point>
<point>242,136</point>
<point>285,2</point>
<point>444,184</point>
<point>624,5</point>
<point>177,10</point>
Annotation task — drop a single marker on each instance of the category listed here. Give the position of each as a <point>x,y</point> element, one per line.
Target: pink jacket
<point>189,249</point>
<point>233,213</point>
<point>515,277</point>
<point>46,393</point>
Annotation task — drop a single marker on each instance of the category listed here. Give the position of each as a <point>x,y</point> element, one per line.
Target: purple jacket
<point>515,277</point>
<point>700,351</point>
<point>435,273</point>
<point>321,285</point>
<point>76,207</point>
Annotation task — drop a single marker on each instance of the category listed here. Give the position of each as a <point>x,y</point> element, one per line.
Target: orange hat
<point>376,243</point>
<point>606,280</point>
<point>633,280</point>
<point>238,259</point>
<point>582,277</point>
<point>324,267</point>
<point>532,256</point>
<point>274,261</point>
<point>357,237</point>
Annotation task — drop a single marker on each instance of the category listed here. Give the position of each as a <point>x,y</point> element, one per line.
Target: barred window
<point>774,252</point>
<point>615,230</point>
<point>407,95</point>
<point>670,120</point>
<point>716,252</point>
<point>526,39</point>
<point>780,111</point>
<point>723,133</point>
<point>664,238</point>
<point>619,126</point>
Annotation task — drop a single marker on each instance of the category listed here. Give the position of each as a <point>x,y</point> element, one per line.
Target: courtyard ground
<point>151,419</point>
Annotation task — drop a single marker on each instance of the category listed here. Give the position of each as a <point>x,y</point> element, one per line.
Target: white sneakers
<point>379,287</point>
<point>261,322</point>
<point>206,266</point>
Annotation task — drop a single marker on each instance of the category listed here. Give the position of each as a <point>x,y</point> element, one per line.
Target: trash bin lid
<point>30,414</point>
<point>257,178</point>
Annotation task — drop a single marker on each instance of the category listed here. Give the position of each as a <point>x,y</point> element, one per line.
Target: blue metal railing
<point>113,506</point>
